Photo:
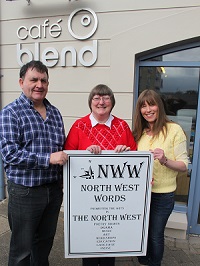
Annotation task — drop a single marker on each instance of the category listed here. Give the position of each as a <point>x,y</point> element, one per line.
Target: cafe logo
<point>86,21</point>
<point>82,25</point>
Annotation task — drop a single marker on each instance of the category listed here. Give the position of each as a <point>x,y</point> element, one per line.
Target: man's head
<point>34,81</point>
<point>38,65</point>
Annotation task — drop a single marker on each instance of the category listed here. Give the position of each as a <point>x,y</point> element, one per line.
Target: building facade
<point>128,45</point>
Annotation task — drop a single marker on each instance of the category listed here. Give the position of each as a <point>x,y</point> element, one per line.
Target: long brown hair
<point>152,98</point>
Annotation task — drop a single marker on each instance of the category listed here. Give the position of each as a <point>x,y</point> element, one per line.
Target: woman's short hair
<point>101,90</point>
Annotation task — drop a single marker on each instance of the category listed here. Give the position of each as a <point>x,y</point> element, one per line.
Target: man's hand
<point>58,157</point>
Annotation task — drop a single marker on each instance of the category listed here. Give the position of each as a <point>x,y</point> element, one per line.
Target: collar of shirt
<point>25,99</point>
<point>94,122</point>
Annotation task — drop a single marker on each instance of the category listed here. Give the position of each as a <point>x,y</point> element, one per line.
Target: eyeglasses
<point>103,98</point>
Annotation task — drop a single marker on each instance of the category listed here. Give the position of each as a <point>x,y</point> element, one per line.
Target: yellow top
<point>175,148</point>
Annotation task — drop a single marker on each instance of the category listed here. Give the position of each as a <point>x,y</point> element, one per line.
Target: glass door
<point>175,76</point>
<point>178,88</point>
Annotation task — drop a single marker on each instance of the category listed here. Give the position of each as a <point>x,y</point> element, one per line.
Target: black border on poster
<point>67,204</point>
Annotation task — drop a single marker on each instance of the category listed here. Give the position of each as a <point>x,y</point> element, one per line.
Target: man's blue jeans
<point>32,215</point>
<point>162,205</point>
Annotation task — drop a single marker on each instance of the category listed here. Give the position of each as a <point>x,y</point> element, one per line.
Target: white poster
<point>106,203</point>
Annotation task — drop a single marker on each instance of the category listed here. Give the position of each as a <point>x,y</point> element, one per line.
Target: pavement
<point>177,252</point>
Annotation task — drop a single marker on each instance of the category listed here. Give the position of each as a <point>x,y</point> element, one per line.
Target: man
<point>31,142</point>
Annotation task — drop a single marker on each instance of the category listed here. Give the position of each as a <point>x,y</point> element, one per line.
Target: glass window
<point>184,55</point>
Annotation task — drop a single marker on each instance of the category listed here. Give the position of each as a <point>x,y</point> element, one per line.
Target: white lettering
<point>23,52</point>
<point>45,25</point>
<point>50,56</point>
<point>55,28</point>
<point>19,30</point>
<point>87,49</point>
<point>65,50</point>
<point>31,30</point>
<point>36,32</point>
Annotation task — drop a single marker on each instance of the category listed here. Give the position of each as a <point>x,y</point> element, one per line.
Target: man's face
<point>34,85</point>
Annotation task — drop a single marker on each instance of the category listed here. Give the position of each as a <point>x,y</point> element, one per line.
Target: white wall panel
<point>73,105</point>
<point>109,24</point>
<point>125,28</point>
<point>37,8</point>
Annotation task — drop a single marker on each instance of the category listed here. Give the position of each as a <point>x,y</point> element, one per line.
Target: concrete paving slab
<point>176,252</point>
<point>4,227</point>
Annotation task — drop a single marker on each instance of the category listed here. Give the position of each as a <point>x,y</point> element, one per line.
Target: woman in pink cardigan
<point>98,131</point>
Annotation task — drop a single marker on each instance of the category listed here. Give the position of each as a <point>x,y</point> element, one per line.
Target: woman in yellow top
<point>154,132</point>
